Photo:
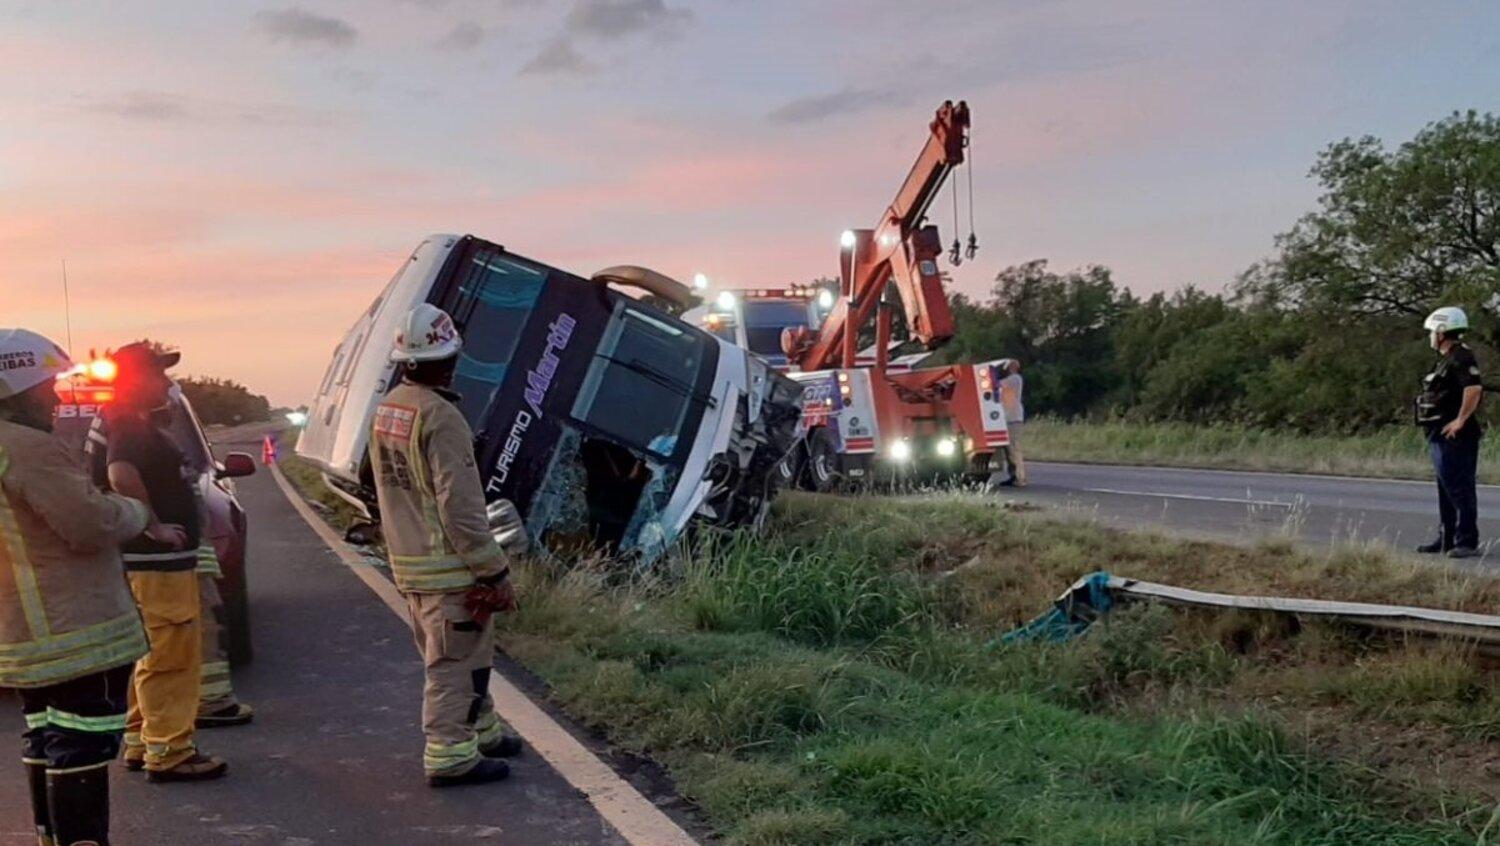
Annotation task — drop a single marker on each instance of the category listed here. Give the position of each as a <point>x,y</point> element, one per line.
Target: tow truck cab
<point>755,318</point>
<point>606,422</point>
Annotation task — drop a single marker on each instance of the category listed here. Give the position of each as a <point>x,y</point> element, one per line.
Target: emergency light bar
<point>791,292</point>
<point>90,383</point>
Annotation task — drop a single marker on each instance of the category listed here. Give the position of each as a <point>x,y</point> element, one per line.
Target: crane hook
<point>973,246</point>
<point>955,254</point>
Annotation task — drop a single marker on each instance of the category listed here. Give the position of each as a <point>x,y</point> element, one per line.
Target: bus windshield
<point>641,388</point>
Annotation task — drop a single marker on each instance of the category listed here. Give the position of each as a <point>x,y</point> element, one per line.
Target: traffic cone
<point>268,451</point>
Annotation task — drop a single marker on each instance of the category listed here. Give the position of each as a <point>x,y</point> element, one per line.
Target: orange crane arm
<point>902,248</point>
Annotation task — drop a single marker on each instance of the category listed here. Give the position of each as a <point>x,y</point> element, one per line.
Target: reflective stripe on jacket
<point>432,508</point>
<point>65,609</point>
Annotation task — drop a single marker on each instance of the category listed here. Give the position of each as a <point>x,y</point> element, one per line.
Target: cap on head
<point>426,333</point>
<point>1448,319</point>
<point>27,360</point>
<point>141,356</point>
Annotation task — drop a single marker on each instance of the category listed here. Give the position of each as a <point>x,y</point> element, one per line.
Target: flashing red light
<point>103,370</point>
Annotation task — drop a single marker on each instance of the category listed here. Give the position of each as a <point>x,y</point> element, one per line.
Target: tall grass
<point>830,685</point>
<point>1398,453</point>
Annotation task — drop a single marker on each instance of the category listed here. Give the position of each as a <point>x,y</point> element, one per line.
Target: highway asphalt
<point>1221,504</point>
<point>334,754</point>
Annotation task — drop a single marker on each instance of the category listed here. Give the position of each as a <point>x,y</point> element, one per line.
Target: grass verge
<point>1397,453</point>
<point>832,683</point>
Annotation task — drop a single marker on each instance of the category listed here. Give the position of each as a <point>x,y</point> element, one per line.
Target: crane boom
<point>901,248</point>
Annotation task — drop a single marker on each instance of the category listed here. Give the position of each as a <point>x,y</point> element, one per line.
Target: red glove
<point>483,600</point>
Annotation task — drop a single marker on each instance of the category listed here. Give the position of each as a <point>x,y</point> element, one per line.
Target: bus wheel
<point>822,461</point>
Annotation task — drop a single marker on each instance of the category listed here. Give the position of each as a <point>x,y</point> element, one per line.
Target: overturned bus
<point>608,423</point>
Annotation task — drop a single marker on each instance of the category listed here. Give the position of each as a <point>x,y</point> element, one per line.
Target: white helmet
<point>426,334</point>
<point>1447,319</point>
<point>27,360</point>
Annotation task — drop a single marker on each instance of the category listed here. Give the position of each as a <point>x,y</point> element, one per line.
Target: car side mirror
<point>236,464</point>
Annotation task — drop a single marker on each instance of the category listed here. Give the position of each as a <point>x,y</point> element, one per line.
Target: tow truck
<point>606,422</point>
<point>867,416</point>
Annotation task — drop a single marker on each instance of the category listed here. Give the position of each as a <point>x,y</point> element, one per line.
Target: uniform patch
<point>395,420</point>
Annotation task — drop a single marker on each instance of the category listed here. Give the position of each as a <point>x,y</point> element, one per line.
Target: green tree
<point>1402,231</point>
<point>1060,326</point>
<point>224,401</point>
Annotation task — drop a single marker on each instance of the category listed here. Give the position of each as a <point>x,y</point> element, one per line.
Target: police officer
<point>444,558</point>
<point>69,630</point>
<point>1446,410</point>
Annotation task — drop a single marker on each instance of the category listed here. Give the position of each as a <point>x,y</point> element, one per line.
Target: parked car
<point>86,395</point>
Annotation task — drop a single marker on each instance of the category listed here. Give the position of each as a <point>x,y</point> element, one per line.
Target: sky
<point>239,179</point>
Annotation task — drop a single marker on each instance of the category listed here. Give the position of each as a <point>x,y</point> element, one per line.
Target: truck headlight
<point>900,450</point>
<point>947,447</point>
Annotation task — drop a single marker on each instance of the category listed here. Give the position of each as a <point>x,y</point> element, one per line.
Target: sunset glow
<point>239,179</point>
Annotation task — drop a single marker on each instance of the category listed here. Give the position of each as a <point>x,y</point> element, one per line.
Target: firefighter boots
<point>484,770</point>
<point>36,779</point>
<point>78,802</point>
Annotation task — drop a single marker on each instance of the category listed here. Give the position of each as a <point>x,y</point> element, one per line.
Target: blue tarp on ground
<point>1073,612</point>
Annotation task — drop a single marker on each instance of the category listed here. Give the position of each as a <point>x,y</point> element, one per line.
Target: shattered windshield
<point>641,387</point>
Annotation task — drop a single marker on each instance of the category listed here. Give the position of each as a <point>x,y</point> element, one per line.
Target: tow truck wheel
<point>978,472</point>
<point>822,461</point>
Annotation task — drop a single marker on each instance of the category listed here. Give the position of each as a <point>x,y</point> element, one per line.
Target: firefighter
<point>443,556</point>
<point>1446,410</point>
<point>218,707</point>
<point>69,629</point>
<point>143,463</point>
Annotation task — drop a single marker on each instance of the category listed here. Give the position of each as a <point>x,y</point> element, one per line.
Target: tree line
<point>1325,335</point>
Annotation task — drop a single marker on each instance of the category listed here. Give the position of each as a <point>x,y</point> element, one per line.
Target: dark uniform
<point>1455,459</point>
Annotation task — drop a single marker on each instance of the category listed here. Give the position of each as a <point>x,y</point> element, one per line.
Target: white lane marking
<point>1288,476</point>
<point>1194,497</point>
<point>631,814</point>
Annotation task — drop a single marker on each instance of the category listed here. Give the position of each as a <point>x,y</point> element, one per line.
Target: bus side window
<point>333,368</point>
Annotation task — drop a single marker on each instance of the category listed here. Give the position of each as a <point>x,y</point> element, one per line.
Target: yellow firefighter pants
<point>218,691</point>
<point>164,689</point>
<point>458,716</point>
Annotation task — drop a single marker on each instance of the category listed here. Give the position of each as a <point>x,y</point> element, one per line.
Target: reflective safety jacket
<point>432,508</point>
<point>65,608</point>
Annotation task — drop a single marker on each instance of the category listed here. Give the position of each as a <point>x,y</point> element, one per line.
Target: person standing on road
<point>143,463</point>
<point>1446,410</point>
<point>69,630</point>
<point>218,706</point>
<point>444,559</point>
<point>1011,386</point>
